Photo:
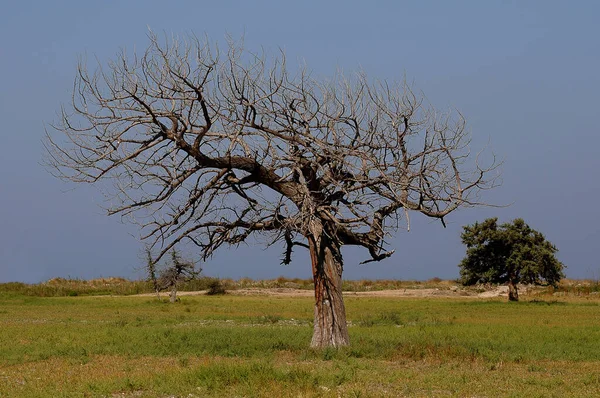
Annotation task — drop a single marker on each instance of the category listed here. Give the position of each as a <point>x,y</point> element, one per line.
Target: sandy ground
<point>500,291</point>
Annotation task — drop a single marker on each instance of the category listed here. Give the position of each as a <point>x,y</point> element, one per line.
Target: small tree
<point>511,253</point>
<point>177,271</point>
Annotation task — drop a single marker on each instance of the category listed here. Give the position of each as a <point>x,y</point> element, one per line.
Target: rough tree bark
<point>330,327</point>
<point>513,292</point>
<point>173,294</point>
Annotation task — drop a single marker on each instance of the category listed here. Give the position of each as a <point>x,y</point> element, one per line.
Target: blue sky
<point>524,74</point>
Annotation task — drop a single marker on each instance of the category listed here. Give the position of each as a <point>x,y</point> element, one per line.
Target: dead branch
<point>211,148</point>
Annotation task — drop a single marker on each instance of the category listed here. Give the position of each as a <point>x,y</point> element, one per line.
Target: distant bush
<point>215,287</point>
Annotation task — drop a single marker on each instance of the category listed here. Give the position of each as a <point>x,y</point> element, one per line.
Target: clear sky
<point>524,73</point>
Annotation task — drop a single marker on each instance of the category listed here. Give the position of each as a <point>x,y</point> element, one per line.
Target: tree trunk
<point>330,328</point>
<point>513,293</point>
<point>173,295</point>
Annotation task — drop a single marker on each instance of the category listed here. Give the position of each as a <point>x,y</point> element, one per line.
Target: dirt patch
<point>500,291</point>
<point>453,291</point>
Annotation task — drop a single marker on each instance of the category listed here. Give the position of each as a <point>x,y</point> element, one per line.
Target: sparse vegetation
<point>57,287</point>
<point>61,287</point>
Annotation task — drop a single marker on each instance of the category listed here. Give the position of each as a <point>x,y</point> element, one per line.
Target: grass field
<point>258,346</point>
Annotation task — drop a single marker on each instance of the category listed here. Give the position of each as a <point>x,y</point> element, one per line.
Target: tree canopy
<point>212,148</point>
<point>509,253</point>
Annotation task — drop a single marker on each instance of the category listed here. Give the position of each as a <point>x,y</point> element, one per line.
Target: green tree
<point>508,253</point>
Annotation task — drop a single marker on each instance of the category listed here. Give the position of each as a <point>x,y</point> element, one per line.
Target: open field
<point>256,345</point>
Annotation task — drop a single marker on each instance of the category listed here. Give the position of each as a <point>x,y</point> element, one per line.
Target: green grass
<point>258,346</point>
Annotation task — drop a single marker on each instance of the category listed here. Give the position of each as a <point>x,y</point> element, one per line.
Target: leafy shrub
<point>215,287</point>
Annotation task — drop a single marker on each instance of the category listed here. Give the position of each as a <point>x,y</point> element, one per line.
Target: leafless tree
<point>169,277</point>
<point>212,148</point>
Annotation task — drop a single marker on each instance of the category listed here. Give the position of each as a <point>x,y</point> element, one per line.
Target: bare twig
<point>212,148</point>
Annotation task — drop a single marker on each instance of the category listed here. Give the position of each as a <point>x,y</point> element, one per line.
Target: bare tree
<point>169,277</point>
<point>178,271</point>
<point>213,148</point>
